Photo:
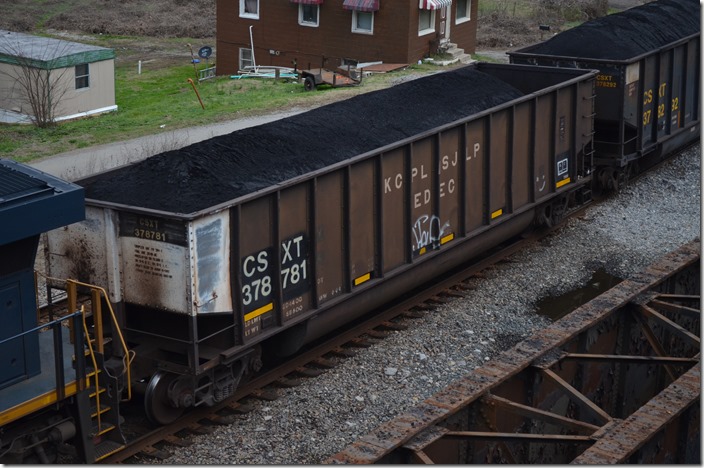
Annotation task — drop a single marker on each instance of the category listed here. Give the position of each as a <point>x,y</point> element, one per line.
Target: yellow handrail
<point>96,293</point>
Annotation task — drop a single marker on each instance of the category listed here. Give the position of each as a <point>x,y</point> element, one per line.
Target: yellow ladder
<point>103,387</point>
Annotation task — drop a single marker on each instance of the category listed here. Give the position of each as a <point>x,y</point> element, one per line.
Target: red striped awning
<point>434,4</point>
<point>361,5</point>
<point>308,2</point>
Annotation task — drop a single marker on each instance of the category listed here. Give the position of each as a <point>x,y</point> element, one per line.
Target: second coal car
<point>648,86</point>
<point>266,238</point>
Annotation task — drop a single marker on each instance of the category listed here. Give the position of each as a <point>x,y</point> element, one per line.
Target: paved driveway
<point>78,164</point>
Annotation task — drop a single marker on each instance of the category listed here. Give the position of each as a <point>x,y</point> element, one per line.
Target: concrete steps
<point>456,55</point>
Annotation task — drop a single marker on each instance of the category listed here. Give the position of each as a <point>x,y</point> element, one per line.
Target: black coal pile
<point>223,168</point>
<point>627,34</point>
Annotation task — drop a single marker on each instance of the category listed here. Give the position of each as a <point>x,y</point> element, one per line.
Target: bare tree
<point>36,81</point>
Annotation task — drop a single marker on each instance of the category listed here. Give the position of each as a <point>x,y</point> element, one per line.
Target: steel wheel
<point>156,401</point>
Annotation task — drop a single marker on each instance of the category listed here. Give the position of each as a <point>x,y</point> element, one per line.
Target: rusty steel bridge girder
<point>615,381</point>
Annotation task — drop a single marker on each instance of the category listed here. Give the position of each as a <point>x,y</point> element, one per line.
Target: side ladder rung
<point>92,394</point>
<point>103,409</point>
<point>101,429</point>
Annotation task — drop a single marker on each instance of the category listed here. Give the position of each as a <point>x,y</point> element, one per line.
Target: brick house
<point>342,31</point>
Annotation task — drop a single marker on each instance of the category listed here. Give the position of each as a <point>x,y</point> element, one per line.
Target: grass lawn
<point>161,99</point>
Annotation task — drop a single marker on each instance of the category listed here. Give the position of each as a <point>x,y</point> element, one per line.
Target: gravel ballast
<point>312,422</point>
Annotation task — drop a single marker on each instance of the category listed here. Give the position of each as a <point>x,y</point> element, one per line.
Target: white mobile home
<point>70,79</point>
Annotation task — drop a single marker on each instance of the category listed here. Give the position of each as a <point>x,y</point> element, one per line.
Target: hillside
<point>502,23</point>
<point>153,18</point>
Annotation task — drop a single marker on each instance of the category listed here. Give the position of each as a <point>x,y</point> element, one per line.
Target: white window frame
<point>468,14</point>
<point>244,14</point>
<point>357,30</point>
<point>242,59</point>
<point>309,23</point>
<point>83,77</point>
<point>431,29</point>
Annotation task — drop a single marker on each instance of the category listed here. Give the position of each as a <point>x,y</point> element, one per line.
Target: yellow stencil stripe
<point>563,182</point>
<point>447,239</point>
<point>362,279</point>
<point>497,213</point>
<point>256,313</point>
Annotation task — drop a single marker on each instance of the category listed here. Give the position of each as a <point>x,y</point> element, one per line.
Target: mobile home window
<point>245,58</point>
<point>363,22</point>
<point>464,7</point>
<point>426,22</point>
<point>308,15</point>
<point>249,9</point>
<point>82,76</point>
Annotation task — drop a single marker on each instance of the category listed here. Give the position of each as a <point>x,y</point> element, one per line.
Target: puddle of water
<point>557,307</point>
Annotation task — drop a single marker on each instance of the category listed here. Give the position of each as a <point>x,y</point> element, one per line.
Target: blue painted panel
<point>19,358</point>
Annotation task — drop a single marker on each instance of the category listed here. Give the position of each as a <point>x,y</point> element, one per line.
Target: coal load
<point>628,34</point>
<point>223,168</point>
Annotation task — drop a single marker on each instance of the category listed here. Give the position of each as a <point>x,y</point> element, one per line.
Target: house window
<point>82,76</point>
<point>464,7</point>
<point>249,9</point>
<point>426,22</point>
<point>308,15</point>
<point>362,22</point>
<point>245,58</point>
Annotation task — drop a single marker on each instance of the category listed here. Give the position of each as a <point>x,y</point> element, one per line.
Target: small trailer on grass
<point>342,77</point>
